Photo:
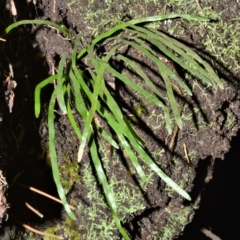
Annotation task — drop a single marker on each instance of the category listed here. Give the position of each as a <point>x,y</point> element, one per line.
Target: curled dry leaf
<point>3,201</point>
<point>9,94</point>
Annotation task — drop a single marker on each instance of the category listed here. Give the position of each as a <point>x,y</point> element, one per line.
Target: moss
<point>69,173</point>
<point>68,228</point>
<point>176,220</point>
<point>97,217</point>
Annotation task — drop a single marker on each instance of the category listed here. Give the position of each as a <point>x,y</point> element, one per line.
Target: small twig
<point>17,176</point>
<point>44,194</point>
<point>172,143</point>
<point>13,8</point>
<point>199,6</point>
<point>41,233</point>
<point>1,39</point>
<point>210,234</point>
<point>34,210</point>
<point>176,128</point>
<point>186,153</point>
<point>54,6</point>
<point>11,70</point>
<point>37,231</point>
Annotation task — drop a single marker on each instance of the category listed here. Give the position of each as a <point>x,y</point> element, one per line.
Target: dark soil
<point>218,210</point>
<point>211,119</point>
